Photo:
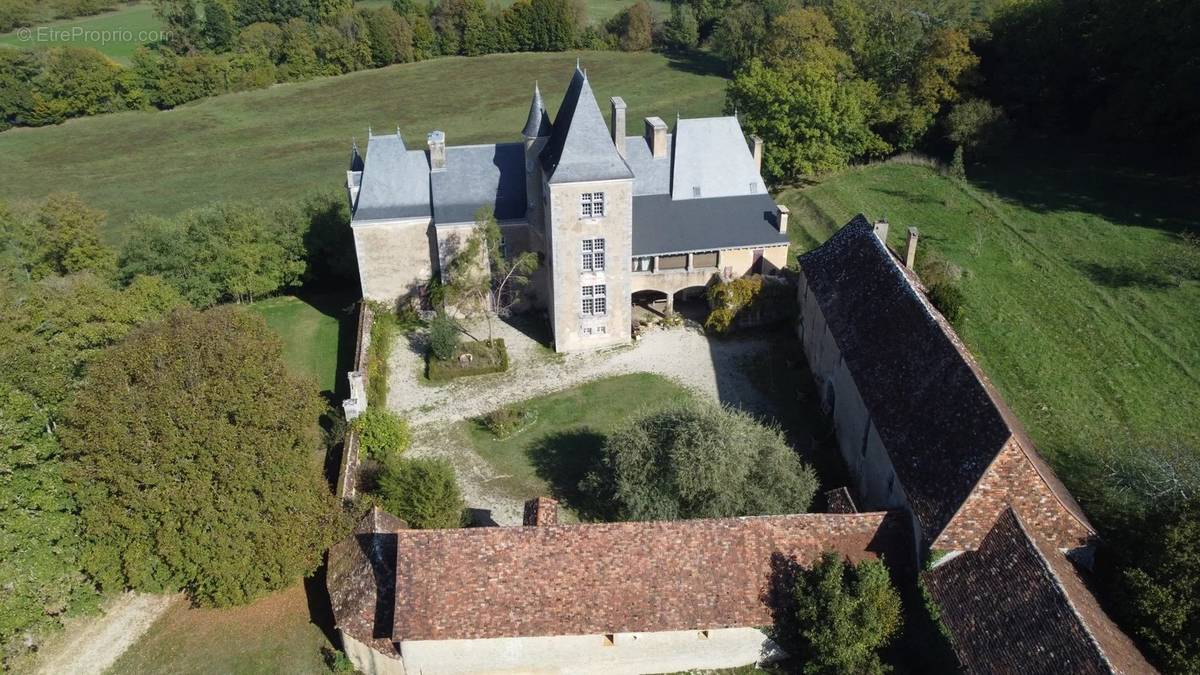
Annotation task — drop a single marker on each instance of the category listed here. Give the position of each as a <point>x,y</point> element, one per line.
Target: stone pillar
<point>782,221</point>
<point>655,266</point>
<point>881,231</point>
<point>910,248</point>
<point>670,303</point>
<point>656,136</point>
<point>437,151</point>
<point>689,262</point>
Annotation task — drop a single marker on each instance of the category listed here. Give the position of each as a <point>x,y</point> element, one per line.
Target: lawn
<point>550,456</point>
<point>1068,308</point>
<point>273,635</point>
<point>115,34</point>
<point>318,335</point>
<point>289,140</point>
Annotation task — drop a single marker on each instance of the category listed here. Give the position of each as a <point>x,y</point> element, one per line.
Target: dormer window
<point>591,205</point>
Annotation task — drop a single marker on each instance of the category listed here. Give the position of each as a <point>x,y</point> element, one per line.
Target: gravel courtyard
<point>714,368</point>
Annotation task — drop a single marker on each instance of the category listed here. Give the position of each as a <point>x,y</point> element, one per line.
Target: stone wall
<point>347,485</point>
<point>394,257</point>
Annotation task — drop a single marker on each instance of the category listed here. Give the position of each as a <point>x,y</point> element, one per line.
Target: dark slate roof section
<point>356,160</point>
<point>480,175</point>
<point>361,578</point>
<point>662,226</point>
<point>651,175</point>
<point>933,414</point>
<point>395,182</point>
<point>538,124</point>
<point>580,148</point>
<point>1017,605</point>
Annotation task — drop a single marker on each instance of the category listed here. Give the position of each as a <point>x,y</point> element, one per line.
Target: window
<point>643,264</point>
<point>593,300</point>
<point>593,255</point>
<point>591,204</point>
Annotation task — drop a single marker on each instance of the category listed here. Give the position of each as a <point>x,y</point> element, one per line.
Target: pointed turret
<point>580,147</point>
<point>538,124</point>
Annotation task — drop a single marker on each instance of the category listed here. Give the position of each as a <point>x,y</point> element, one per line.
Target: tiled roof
<point>361,580</point>
<point>663,225</point>
<point>614,577</point>
<point>1017,605</point>
<point>580,148</point>
<point>934,416</point>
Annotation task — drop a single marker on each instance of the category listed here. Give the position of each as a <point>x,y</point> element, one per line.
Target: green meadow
<point>115,34</point>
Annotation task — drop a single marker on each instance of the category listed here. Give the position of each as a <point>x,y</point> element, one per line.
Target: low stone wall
<point>347,484</point>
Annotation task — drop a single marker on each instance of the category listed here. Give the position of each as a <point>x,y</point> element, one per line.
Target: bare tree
<point>484,280</point>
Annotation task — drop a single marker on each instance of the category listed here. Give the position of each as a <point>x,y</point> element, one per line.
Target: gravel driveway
<point>711,367</point>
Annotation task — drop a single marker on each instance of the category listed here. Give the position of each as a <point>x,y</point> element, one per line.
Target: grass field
<point>550,456</point>
<point>115,34</point>
<point>1068,309</point>
<point>318,335</point>
<point>289,140</point>
<point>273,635</point>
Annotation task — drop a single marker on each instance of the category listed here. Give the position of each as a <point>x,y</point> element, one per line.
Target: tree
<point>181,24</point>
<point>194,455</point>
<point>483,278</point>
<point>61,237</point>
<point>18,70</point>
<point>739,34</point>
<point>681,33</point>
<point>633,27</point>
<point>75,82</point>
<point>699,460</point>
<point>423,492</point>
<point>389,35</point>
<point>382,433</point>
<point>443,337</point>
<point>810,120</point>
<point>977,125</point>
<point>843,615</point>
<point>219,27</point>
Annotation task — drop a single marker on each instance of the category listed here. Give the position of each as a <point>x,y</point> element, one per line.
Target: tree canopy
<point>423,492</point>
<point>699,460</point>
<point>193,454</point>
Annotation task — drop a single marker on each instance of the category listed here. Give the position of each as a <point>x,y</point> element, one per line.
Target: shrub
<point>746,296</point>
<point>443,337</point>
<point>195,458</point>
<point>843,615</point>
<point>422,491</point>
<point>506,421</point>
<point>381,433</point>
<point>383,336</point>
<point>699,460</point>
<point>958,168</point>
<point>949,300</point>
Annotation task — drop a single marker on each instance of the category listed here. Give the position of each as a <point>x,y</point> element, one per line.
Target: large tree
<point>699,460</point>
<point>194,456</point>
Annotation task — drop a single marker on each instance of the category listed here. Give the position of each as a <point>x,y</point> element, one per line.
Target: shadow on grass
<point>320,611</point>
<point>697,63</point>
<point>1123,276</point>
<point>563,459</point>
<point>343,308</point>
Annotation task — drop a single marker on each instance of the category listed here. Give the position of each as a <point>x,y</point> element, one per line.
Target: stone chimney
<point>756,145</point>
<point>437,151</point>
<point>881,231</point>
<point>540,512</point>
<point>656,136</point>
<point>782,219</point>
<point>618,124</point>
<point>910,248</point>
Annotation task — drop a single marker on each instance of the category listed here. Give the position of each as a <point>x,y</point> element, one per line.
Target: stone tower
<point>536,133</point>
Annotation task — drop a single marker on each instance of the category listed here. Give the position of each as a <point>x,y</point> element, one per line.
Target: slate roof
<point>712,159</point>
<point>395,181</point>
<point>651,175</point>
<point>587,579</point>
<point>538,124</point>
<point>480,175</point>
<point>580,148</point>
<point>932,412</point>
<point>662,225</point>
<point>1017,605</point>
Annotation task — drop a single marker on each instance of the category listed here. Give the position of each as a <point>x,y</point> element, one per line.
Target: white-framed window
<point>593,255</point>
<point>643,264</point>
<point>593,300</point>
<point>591,204</point>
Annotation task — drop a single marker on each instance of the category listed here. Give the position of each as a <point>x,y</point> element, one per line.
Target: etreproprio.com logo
<point>89,35</point>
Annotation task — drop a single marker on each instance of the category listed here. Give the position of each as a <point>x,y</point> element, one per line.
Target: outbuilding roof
<point>662,225</point>
<point>1018,605</point>
<point>587,579</point>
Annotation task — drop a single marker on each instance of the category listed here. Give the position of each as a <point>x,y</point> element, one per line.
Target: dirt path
<point>92,644</point>
<point>714,368</point>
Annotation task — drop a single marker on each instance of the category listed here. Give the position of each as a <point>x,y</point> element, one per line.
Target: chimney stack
<point>618,124</point>
<point>437,151</point>
<point>756,145</point>
<point>881,231</point>
<point>910,249</point>
<point>656,137</point>
<point>540,512</point>
<point>782,219</point>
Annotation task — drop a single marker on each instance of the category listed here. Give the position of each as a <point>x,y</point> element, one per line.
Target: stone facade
<point>573,331</point>
<point>394,258</point>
